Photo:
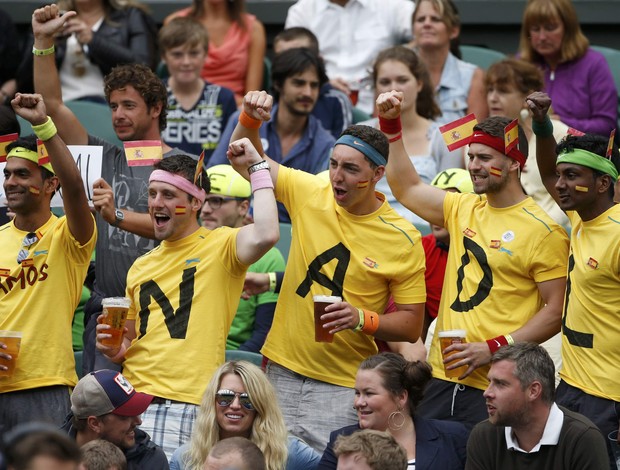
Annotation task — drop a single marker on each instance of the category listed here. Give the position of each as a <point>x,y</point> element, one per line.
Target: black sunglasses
<point>226,397</point>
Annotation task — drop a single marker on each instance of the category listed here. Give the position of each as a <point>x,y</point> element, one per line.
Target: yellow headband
<point>21,152</point>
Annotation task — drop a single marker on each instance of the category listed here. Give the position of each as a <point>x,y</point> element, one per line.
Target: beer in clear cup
<point>321,334</point>
<point>115,314</point>
<point>13,340</point>
<point>446,338</point>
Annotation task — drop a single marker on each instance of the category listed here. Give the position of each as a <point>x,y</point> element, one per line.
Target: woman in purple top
<point>577,78</point>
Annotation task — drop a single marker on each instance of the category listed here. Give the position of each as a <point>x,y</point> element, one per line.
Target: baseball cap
<point>456,178</point>
<point>107,391</point>
<point>227,182</point>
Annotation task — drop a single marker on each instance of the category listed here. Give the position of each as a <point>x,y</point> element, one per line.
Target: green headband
<point>26,154</point>
<point>590,160</point>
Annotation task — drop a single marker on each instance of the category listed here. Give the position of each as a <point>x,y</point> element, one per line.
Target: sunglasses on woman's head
<point>226,397</point>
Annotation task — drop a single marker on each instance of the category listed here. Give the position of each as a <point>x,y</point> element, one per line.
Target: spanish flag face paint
<point>362,184</point>
<point>496,171</point>
<point>34,190</point>
<point>581,189</point>
<point>180,210</point>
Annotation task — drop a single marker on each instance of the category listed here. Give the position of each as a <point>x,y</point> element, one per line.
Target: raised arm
<point>254,240</point>
<point>81,223</point>
<point>539,103</point>
<point>407,186</point>
<point>46,22</point>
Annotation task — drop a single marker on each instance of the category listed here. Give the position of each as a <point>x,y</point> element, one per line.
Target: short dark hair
<point>298,32</point>
<point>31,440</point>
<point>250,453</point>
<point>379,449</point>
<point>401,375</point>
<point>30,142</point>
<point>144,80</point>
<point>494,126</point>
<point>532,363</point>
<point>371,136</point>
<point>185,166</point>
<point>292,62</point>
<point>100,454</point>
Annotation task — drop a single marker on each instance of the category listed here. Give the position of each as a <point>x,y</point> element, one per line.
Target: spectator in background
<point>458,85</point>
<point>197,110</point>
<point>333,108</point>
<point>102,455</point>
<point>235,453</point>
<point>351,34</point>
<point>508,82</point>
<point>388,389</point>
<point>292,136</point>
<point>399,68</point>
<point>240,402</point>
<point>237,44</point>
<point>8,125</point>
<point>526,430</point>
<point>11,56</point>
<point>369,450</point>
<point>577,78</point>
<point>226,205</point>
<point>103,34</point>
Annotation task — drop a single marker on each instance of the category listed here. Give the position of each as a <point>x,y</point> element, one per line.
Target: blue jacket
<point>310,154</point>
<point>439,445</point>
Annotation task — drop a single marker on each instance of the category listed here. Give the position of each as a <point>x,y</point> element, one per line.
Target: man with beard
<point>526,429</point>
<point>104,405</point>
<point>506,266</point>
<point>293,137</point>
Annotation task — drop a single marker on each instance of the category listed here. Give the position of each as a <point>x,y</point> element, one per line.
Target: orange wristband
<point>248,121</point>
<point>371,322</point>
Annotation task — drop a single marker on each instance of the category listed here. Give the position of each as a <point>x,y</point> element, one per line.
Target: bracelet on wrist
<point>542,129</point>
<point>360,324</point>
<point>45,131</point>
<point>396,138</point>
<point>48,51</point>
<point>272,281</point>
<point>248,121</point>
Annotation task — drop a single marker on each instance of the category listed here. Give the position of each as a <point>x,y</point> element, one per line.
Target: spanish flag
<point>199,166</point>
<point>511,136</point>
<point>34,190</point>
<point>27,262</point>
<point>5,140</point>
<point>495,171</point>
<point>143,152</point>
<point>456,134</point>
<point>180,210</point>
<point>4,272</point>
<point>44,157</point>
<point>575,132</point>
<point>362,184</point>
<point>610,145</point>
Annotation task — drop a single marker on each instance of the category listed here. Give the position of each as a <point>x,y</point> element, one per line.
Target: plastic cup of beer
<point>354,91</point>
<point>115,314</point>
<point>322,335</point>
<point>446,338</point>
<point>13,340</point>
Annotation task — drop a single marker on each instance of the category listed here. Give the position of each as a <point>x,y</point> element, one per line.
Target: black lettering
<point>576,338</point>
<point>485,284</point>
<point>335,285</point>
<point>175,321</point>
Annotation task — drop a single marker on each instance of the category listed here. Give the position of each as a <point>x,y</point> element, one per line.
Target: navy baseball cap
<point>107,391</point>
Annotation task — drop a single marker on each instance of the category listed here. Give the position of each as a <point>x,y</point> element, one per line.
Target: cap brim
<point>135,406</point>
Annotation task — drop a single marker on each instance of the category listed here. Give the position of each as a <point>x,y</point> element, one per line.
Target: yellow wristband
<point>272,281</point>
<point>48,51</point>
<point>360,325</point>
<point>371,322</point>
<point>45,131</point>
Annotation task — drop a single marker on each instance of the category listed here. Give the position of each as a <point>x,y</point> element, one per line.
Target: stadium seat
<point>613,59</point>
<point>284,244</point>
<point>481,56</point>
<point>237,355</point>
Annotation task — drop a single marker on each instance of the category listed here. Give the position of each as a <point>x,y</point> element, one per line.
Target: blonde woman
<point>240,401</point>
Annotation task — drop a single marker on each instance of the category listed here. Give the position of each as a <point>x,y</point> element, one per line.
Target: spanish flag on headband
<point>511,136</point>
<point>456,134</point>
<point>143,152</point>
<point>575,132</point>
<point>44,157</point>
<point>610,145</point>
<point>199,166</point>
<point>5,140</point>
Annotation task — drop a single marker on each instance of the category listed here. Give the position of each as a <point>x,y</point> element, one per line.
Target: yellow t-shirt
<point>496,258</point>
<point>591,320</point>
<point>184,295</point>
<point>38,298</point>
<point>363,259</point>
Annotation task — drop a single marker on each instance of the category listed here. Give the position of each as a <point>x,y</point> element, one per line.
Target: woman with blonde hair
<point>458,85</point>
<point>240,401</point>
<point>577,78</point>
<point>237,44</point>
